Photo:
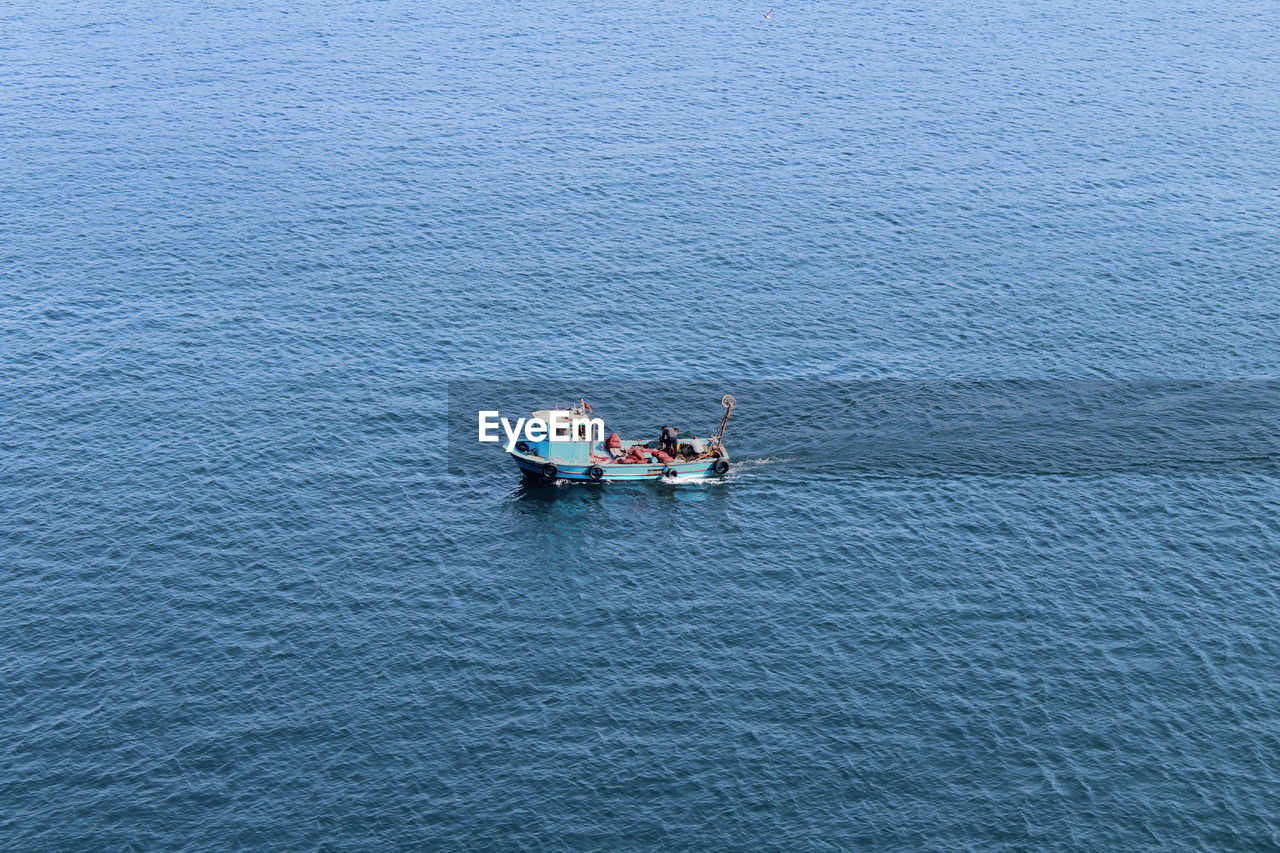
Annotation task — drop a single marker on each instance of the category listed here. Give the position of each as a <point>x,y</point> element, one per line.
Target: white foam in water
<point>764,460</point>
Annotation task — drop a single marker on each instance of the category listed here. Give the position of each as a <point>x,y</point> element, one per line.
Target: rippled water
<point>244,246</point>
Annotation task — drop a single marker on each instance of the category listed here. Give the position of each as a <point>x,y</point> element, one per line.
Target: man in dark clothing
<point>667,442</point>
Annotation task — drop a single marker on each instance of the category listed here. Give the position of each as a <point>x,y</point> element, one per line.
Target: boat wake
<point>762,461</point>
<point>693,481</point>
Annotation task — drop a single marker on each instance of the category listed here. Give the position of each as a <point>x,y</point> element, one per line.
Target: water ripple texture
<point>244,248</point>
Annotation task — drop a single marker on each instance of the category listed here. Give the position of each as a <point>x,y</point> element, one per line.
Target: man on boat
<point>667,441</point>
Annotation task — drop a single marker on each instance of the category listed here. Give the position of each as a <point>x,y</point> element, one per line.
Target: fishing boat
<point>587,456</point>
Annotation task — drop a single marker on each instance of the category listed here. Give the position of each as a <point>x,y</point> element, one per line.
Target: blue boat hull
<point>535,466</point>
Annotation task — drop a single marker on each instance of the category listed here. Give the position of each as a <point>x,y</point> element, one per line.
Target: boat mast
<point>728,402</point>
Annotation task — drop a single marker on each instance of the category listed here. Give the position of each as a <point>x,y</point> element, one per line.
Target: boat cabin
<point>582,443</point>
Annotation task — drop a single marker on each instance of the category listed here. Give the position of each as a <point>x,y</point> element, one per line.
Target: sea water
<point>245,246</point>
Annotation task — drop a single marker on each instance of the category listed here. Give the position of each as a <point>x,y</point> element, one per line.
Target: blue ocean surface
<point>246,246</point>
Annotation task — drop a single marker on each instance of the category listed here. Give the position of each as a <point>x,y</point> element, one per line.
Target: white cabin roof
<point>566,416</point>
<point>545,414</point>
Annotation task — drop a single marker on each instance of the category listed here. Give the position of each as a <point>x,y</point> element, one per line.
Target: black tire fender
<point>522,446</point>
<point>721,466</point>
<point>595,472</point>
<point>550,471</point>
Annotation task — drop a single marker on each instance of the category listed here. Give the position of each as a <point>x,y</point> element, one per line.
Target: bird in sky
<point>768,15</point>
